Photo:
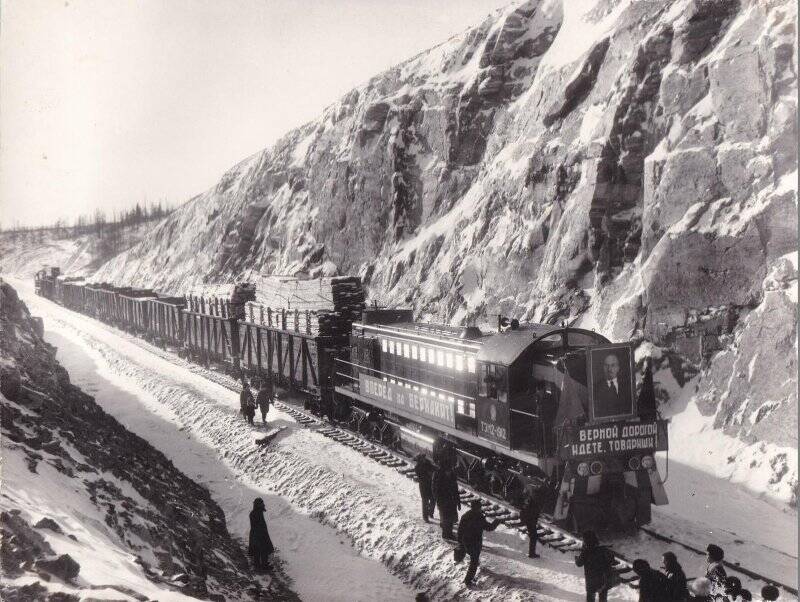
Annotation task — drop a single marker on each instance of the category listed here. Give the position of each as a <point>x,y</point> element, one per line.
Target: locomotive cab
<point>567,398</point>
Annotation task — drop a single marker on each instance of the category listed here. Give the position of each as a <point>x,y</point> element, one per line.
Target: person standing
<point>676,578</point>
<point>244,398</point>
<point>264,398</point>
<point>424,471</point>
<point>445,492</point>
<point>470,535</point>
<point>260,545</point>
<point>597,568</point>
<point>715,571</point>
<point>529,515</point>
<point>652,584</point>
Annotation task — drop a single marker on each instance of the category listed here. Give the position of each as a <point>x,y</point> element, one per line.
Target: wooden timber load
<point>322,307</point>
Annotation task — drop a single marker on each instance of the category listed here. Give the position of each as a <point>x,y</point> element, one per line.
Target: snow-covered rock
<point>92,510</point>
<point>632,164</point>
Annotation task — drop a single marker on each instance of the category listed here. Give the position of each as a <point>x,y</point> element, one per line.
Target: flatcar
<point>520,407</point>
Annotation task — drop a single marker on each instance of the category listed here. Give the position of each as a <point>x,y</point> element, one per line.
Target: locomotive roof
<point>505,347</point>
<point>437,332</point>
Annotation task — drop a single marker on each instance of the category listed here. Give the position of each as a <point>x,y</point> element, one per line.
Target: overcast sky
<point>104,103</point>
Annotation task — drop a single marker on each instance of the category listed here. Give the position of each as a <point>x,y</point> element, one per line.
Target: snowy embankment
<point>90,510</point>
<point>372,506</point>
<point>23,253</point>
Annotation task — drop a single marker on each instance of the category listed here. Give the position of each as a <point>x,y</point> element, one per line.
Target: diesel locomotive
<point>514,408</point>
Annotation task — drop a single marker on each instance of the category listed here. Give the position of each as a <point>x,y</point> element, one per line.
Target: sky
<point>106,103</point>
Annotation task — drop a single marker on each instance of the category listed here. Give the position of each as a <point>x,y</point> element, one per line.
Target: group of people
<point>262,400</point>
<point>668,585</point>
<point>438,487</point>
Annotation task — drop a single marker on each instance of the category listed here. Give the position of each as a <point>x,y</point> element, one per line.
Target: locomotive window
<point>391,346</point>
<point>502,391</point>
<point>406,350</point>
<point>424,391</point>
<point>472,409</point>
<point>440,357</point>
<point>493,382</point>
<point>422,354</point>
<point>432,356</point>
<point>461,406</point>
<point>449,357</point>
<point>471,363</point>
<point>384,345</point>
<point>414,352</point>
<point>459,362</point>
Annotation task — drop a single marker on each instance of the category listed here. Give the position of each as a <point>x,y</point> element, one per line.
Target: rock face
<point>136,495</point>
<point>628,164</point>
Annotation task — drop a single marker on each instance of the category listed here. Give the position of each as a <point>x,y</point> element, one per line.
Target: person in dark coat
<point>243,398</point>
<point>470,535</point>
<point>529,516</point>
<point>596,562</point>
<point>676,578</point>
<point>260,547</point>
<point>733,588</point>
<point>652,584</point>
<point>247,403</point>
<point>746,595</point>
<point>445,492</point>
<point>424,471</point>
<point>715,571</point>
<point>264,397</point>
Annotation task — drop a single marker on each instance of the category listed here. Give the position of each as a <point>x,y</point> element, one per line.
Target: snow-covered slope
<point>23,253</point>
<point>89,510</point>
<point>631,164</point>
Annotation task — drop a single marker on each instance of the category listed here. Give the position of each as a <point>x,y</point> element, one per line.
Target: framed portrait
<point>612,385</point>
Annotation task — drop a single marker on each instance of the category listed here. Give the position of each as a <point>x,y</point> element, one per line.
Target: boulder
<point>63,567</point>
<point>10,382</point>
<point>49,524</point>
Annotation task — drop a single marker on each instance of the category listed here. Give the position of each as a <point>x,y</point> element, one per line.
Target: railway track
<point>549,534</point>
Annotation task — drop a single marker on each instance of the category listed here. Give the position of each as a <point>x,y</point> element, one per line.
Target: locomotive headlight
<point>583,469</point>
<point>596,467</point>
<point>648,462</point>
<point>634,463</point>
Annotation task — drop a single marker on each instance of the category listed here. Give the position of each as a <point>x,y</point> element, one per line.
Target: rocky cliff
<point>629,165</point>
<point>91,510</point>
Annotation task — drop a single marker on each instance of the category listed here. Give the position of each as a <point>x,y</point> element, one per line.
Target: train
<point>515,409</point>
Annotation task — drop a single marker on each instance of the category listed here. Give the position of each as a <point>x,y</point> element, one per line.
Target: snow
<point>591,120</point>
<point>50,493</point>
<point>579,33</point>
<point>315,487</point>
<point>301,149</point>
<point>303,476</point>
<point>317,560</point>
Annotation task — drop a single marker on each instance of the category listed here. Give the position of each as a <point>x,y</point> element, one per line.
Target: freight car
<point>532,406</point>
